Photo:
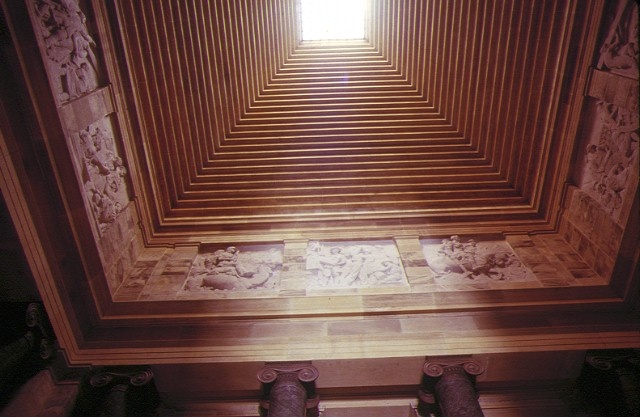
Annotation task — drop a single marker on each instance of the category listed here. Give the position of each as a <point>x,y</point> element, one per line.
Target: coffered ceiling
<point>445,115</point>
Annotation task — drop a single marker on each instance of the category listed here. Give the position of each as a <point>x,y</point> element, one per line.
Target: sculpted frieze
<point>353,265</point>
<point>102,172</point>
<point>68,46</point>
<point>235,269</point>
<point>619,52</point>
<point>611,157</point>
<point>458,260</point>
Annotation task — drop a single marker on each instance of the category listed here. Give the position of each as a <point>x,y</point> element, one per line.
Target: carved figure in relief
<point>105,208</point>
<point>354,265</point>
<point>68,46</point>
<point>610,161</point>
<point>586,213</point>
<point>597,156</point>
<point>229,269</point>
<point>620,51</point>
<point>465,259</point>
<point>458,260</point>
<point>103,174</point>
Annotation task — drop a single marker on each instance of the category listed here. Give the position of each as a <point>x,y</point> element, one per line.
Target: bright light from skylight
<point>333,19</point>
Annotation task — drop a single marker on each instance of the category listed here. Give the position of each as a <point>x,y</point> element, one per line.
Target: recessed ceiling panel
<point>442,110</point>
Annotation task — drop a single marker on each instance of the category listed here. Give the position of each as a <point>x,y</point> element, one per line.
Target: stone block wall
<point>120,247</point>
<point>590,231</point>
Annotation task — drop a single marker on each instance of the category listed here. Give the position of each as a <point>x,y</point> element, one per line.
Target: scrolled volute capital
<point>36,319</point>
<point>267,375</point>
<point>137,377</point>
<point>603,363</point>
<point>305,372</point>
<point>473,367</point>
<point>34,315</point>
<point>433,369</point>
<point>308,373</point>
<point>606,360</point>
<point>141,378</point>
<point>101,379</point>
<point>437,367</point>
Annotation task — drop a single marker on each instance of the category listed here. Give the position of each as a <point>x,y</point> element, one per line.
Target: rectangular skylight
<point>323,20</point>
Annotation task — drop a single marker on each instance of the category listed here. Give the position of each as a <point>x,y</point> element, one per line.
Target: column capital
<point>118,387</point>
<point>304,371</point>
<point>449,383</point>
<point>437,366</point>
<point>36,319</point>
<point>121,376</point>
<point>605,360</point>
<point>292,377</point>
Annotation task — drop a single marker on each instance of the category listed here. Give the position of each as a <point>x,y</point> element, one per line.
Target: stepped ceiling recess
<point>197,188</point>
<point>444,117</point>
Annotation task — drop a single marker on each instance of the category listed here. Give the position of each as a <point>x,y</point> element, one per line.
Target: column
<point>450,383</point>
<point>609,383</point>
<point>12,357</point>
<point>289,389</point>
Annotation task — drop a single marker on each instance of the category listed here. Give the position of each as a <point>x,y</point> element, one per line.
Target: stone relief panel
<point>619,52</point>
<point>353,265</point>
<point>458,260</point>
<point>102,172</point>
<point>236,269</point>
<point>607,166</point>
<point>68,46</point>
<point>610,157</point>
